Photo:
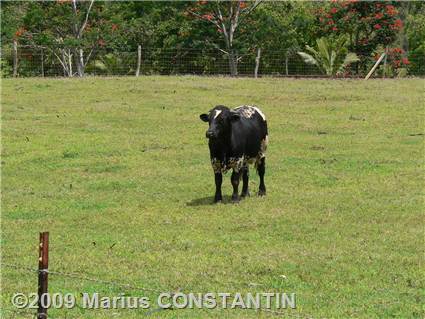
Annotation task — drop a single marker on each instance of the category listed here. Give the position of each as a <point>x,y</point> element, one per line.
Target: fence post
<point>42,62</point>
<point>286,64</point>
<point>15,58</point>
<point>257,62</point>
<point>139,59</point>
<point>43,265</point>
<point>375,66</point>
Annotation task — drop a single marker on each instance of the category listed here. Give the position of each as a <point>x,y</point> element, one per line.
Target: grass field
<point>117,169</point>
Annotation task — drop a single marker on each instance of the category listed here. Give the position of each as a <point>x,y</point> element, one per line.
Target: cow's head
<point>219,119</point>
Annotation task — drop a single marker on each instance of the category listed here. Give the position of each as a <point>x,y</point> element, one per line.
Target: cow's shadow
<point>205,201</point>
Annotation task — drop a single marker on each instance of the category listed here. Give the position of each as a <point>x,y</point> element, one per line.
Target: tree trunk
<point>15,58</point>
<point>257,62</point>
<point>69,63</point>
<point>233,63</point>
<point>139,59</point>
<point>79,59</point>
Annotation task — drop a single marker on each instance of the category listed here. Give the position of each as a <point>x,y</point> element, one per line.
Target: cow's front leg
<point>245,180</point>
<point>218,181</point>
<point>235,183</point>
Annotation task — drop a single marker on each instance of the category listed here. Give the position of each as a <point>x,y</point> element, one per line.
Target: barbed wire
<point>133,287</point>
<point>84,277</point>
<point>19,312</point>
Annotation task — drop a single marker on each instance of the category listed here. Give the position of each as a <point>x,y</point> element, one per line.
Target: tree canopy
<point>77,33</point>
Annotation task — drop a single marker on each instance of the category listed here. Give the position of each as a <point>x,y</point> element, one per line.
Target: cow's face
<point>219,119</point>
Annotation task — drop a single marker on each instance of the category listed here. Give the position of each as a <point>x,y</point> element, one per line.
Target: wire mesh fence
<point>58,62</point>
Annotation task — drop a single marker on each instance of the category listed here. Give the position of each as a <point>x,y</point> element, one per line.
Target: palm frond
<point>309,59</point>
<point>349,58</point>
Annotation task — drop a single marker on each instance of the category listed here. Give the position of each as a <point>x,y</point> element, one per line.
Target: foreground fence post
<point>43,265</point>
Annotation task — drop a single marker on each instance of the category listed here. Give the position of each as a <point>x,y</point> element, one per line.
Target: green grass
<point>117,169</point>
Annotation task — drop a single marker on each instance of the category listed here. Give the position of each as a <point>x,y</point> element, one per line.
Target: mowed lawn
<point>117,170</point>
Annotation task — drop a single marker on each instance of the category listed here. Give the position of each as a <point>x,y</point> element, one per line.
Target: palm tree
<point>330,58</point>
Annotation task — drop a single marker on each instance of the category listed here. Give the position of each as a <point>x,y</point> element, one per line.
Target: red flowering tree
<point>225,17</point>
<point>368,24</point>
<point>397,60</point>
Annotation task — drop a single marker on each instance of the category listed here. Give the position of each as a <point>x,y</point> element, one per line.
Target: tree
<point>71,29</point>
<point>331,59</point>
<point>226,17</point>
<point>367,24</point>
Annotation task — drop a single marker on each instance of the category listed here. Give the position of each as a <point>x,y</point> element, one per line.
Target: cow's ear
<point>234,116</point>
<point>204,117</point>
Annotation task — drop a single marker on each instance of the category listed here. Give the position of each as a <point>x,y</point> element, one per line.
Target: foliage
<point>330,58</point>
<point>367,24</point>
<point>5,68</point>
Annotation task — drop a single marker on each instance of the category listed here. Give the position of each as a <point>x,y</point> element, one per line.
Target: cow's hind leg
<point>261,168</point>
<point>218,180</point>
<point>235,183</point>
<point>245,180</point>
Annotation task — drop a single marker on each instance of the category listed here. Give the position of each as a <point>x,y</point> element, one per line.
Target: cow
<point>237,137</point>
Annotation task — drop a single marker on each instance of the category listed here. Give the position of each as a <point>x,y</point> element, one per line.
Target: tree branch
<point>86,19</point>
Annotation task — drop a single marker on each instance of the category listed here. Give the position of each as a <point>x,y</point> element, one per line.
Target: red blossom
<point>207,17</point>
<point>243,4</point>
<point>334,29</point>
<point>377,26</point>
<point>20,32</point>
<point>398,24</point>
<point>330,22</point>
<point>405,61</point>
<point>334,10</point>
<point>391,10</point>
<point>379,15</point>
<point>114,27</point>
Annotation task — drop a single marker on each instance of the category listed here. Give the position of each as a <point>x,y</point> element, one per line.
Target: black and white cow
<point>237,138</point>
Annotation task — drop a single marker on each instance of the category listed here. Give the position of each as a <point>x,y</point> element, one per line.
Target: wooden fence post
<point>139,59</point>
<point>257,62</point>
<point>375,66</point>
<point>15,58</point>
<point>42,62</point>
<point>43,266</point>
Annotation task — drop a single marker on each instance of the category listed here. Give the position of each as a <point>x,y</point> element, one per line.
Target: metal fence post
<point>43,265</point>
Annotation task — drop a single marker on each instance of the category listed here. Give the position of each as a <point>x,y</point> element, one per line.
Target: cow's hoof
<point>243,195</point>
<point>235,199</point>
<point>217,201</point>
<point>262,192</point>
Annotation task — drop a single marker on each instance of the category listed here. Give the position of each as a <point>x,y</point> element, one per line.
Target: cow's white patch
<point>217,113</point>
<point>248,111</point>
<point>264,144</point>
<point>217,165</point>
<point>259,112</point>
